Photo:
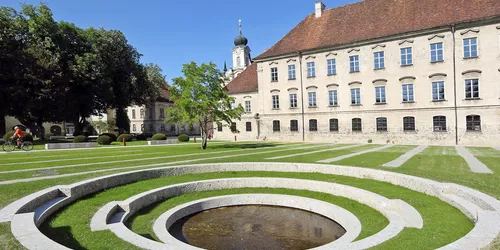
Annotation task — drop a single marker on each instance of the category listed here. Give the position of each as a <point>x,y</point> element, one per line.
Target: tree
<point>199,97</point>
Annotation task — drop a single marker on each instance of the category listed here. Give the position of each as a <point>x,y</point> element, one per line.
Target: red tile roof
<point>378,18</point>
<point>164,93</point>
<point>245,82</point>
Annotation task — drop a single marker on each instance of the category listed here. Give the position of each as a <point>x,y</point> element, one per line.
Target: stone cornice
<point>469,30</point>
<point>355,82</point>
<point>407,77</point>
<point>379,80</point>
<point>472,71</point>
<point>437,74</point>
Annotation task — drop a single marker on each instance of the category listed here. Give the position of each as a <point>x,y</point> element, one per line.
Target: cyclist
<point>19,134</point>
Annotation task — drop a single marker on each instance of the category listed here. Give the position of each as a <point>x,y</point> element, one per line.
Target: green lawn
<point>442,222</point>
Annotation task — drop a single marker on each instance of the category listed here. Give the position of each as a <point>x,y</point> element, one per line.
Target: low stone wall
<point>162,142</point>
<point>52,146</point>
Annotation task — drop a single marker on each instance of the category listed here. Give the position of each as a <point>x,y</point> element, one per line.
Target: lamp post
<point>257,119</point>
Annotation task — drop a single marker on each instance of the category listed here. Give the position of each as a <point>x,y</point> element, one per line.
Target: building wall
<point>243,134</point>
<point>486,68</point>
<point>151,120</point>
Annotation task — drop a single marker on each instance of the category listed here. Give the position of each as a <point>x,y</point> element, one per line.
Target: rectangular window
<point>293,100</point>
<point>380,94</point>
<point>162,127</point>
<point>332,67</point>
<point>438,91</point>
<point>473,123</point>
<point>134,127</point>
<point>355,96</point>
<point>439,123</point>
<point>248,107</point>
<point>311,69</point>
<point>162,113</point>
<point>356,125</point>
<point>406,56</point>
<point>141,113</point>
<point>133,113</point>
<point>276,126</point>
<point>150,111</point>
<point>471,88</point>
<point>378,58</point>
<point>274,74</point>
<point>408,93</point>
<point>233,127</point>
<point>409,123</point>
<point>313,125</point>
<point>332,98</point>
<point>354,63</point>
<point>470,47</point>
<point>382,124</point>
<point>142,127</point>
<point>294,125</point>
<point>291,72</point>
<point>312,99</point>
<point>248,126</point>
<point>219,127</point>
<point>276,101</point>
<point>172,127</point>
<point>334,125</point>
<point>151,127</point>
<point>436,52</point>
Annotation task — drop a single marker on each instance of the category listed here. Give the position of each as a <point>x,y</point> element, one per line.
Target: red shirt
<point>19,133</point>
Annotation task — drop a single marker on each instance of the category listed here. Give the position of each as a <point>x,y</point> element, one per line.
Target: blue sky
<point>172,32</point>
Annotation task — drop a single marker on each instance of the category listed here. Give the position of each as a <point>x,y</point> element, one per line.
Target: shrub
<point>127,137</point>
<point>111,135</point>
<point>183,138</point>
<point>159,137</point>
<point>370,141</point>
<point>104,140</point>
<point>27,137</point>
<point>48,135</point>
<point>141,137</point>
<point>80,138</point>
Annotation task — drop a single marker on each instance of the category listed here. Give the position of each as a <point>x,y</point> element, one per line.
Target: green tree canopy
<point>199,97</point>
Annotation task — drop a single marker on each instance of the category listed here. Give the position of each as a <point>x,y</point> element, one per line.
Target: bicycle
<point>11,145</point>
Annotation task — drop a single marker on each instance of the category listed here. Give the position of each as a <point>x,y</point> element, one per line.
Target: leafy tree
<point>199,97</point>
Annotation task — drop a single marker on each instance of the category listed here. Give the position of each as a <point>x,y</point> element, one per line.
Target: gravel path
<point>404,158</point>
<point>474,164</point>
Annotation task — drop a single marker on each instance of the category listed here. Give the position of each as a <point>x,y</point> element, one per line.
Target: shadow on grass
<point>61,235</point>
<point>246,145</point>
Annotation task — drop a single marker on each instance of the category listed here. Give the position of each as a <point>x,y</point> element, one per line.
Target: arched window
<point>313,125</point>
<point>439,123</point>
<point>276,126</point>
<point>356,125</point>
<point>409,123</point>
<point>334,125</point>
<point>382,124</point>
<point>473,123</point>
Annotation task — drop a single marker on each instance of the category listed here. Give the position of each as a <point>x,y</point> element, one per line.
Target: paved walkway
<point>404,158</point>
<point>355,154</point>
<point>312,152</point>
<point>497,148</point>
<point>474,164</point>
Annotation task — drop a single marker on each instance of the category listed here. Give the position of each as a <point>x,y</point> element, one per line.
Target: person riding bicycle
<point>19,135</point>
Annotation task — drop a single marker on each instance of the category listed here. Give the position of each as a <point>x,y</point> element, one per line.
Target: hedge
<point>159,137</point>
<point>127,137</point>
<point>104,140</point>
<point>141,137</point>
<point>111,135</point>
<point>80,138</point>
<point>183,138</point>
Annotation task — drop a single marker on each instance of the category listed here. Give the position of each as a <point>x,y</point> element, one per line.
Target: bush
<point>27,137</point>
<point>141,137</point>
<point>111,135</point>
<point>183,138</point>
<point>159,137</point>
<point>104,140</point>
<point>127,137</point>
<point>370,141</point>
<point>48,135</point>
<point>80,138</point>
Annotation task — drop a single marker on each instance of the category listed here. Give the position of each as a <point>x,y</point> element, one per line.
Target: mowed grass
<point>437,163</point>
<point>443,223</point>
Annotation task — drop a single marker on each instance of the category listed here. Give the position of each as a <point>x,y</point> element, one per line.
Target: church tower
<point>241,53</point>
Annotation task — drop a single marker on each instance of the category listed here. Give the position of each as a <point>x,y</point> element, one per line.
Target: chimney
<point>320,7</point>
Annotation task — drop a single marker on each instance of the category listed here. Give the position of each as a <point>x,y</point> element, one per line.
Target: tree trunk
<point>41,130</point>
<point>204,133</point>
